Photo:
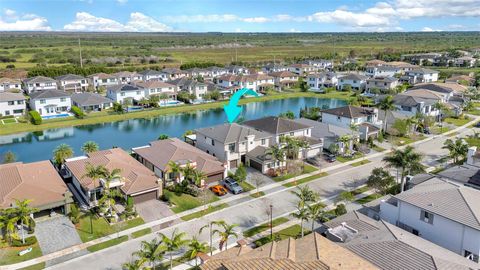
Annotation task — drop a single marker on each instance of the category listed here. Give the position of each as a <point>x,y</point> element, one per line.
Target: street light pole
<point>271,222</point>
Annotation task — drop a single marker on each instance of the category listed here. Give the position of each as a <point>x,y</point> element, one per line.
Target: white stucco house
<point>72,82</point>
<point>121,92</point>
<point>39,83</point>
<point>318,81</point>
<point>356,81</point>
<point>148,75</point>
<point>420,75</point>
<point>12,104</point>
<point>102,80</point>
<point>50,103</point>
<point>8,84</point>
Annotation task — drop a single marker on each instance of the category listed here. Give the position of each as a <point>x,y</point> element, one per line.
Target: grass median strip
<point>305,180</point>
<point>246,186</point>
<point>368,198</point>
<point>141,232</point>
<point>263,227</point>
<point>360,163</point>
<point>201,213</point>
<point>107,244</point>
<point>37,266</point>
<point>257,194</point>
<point>292,231</point>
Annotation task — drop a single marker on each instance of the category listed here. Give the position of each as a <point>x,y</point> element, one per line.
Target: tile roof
<point>159,153</point>
<point>230,133</point>
<point>350,111</point>
<point>88,99</point>
<point>441,87</point>
<point>282,74</point>
<point>9,81</point>
<point>155,84</point>
<point>324,130</point>
<point>354,76</point>
<point>422,71</point>
<point>38,79</point>
<point>9,96</point>
<point>102,76</point>
<point>137,178</point>
<point>275,125</point>
<point>48,94</point>
<point>38,181</point>
<point>150,72</point>
<point>69,77</point>
<point>124,87</point>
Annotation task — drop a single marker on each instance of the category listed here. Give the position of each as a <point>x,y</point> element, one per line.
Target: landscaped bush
<point>77,112</point>
<point>28,242</point>
<point>183,187</point>
<point>31,226</point>
<point>35,118</point>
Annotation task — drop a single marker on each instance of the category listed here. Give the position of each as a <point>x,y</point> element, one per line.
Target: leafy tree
<point>62,152</point>
<point>163,97</point>
<point>9,157</point>
<point>402,126</point>
<point>198,177</point>
<point>150,252</point>
<point>287,115</point>
<point>188,132</point>
<point>89,147</point>
<point>315,212</point>
<point>457,149</point>
<point>407,161</point>
<point>225,232</point>
<point>241,173</point>
<point>305,195</point>
<point>303,85</point>
<point>174,168</point>
<point>340,210</point>
<point>163,137</point>
<point>194,248</point>
<point>109,195</point>
<point>118,108</point>
<point>23,213</point>
<point>380,180</point>
<point>74,213</point>
<point>173,244</point>
<point>215,95</point>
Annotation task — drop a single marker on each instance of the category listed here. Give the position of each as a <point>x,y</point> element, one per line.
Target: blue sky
<point>239,16</point>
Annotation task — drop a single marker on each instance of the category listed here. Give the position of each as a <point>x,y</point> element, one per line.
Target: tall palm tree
<point>174,168</point>
<point>62,152</point>
<point>194,248</point>
<point>345,140</point>
<point>301,214</point>
<point>188,171</point>
<point>387,105</point>
<point>150,252</point>
<point>457,149</point>
<point>89,147</point>
<point>134,264</point>
<point>276,152</point>
<point>225,233</point>
<point>304,195</point>
<point>291,146</point>
<point>210,228</point>
<point>108,194</point>
<point>407,161</point>
<point>198,177</point>
<point>94,173</point>
<point>315,212</point>
<point>172,244</point>
<point>23,213</point>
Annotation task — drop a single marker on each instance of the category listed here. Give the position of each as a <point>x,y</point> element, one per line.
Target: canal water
<point>35,146</point>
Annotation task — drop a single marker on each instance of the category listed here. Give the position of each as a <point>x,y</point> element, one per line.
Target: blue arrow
<point>232,109</point>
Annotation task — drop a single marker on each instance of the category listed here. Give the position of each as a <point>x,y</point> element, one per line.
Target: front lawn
<point>246,186</point>
<point>292,231</point>
<point>399,141</point>
<point>306,169</point>
<point>9,255</point>
<point>9,121</point>
<point>107,244</point>
<point>201,213</point>
<point>457,121</point>
<point>360,190</point>
<point>360,163</point>
<point>186,202</point>
<point>368,198</point>
<point>350,158</point>
<point>263,227</point>
<point>101,227</point>
<point>378,148</point>
<point>141,232</point>
<point>305,180</point>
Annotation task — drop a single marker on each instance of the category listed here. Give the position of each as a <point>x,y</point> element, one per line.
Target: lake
<point>35,146</point>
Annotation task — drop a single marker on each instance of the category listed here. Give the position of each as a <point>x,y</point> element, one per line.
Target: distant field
<point>121,50</point>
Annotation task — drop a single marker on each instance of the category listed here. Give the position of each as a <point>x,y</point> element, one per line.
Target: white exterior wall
<point>96,82</point>
<point>83,84</point>
<point>61,106</point>
<point>9,109</point>
<point>360,84</point>
<point>7,86</point>
<point>337,121</point>
<point>32,87</point>
<point>122,95</point>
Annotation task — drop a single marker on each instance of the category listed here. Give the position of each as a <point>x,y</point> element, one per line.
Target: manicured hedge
<point>28,241</point>
<point>35,118</point>
<point>78,112</point>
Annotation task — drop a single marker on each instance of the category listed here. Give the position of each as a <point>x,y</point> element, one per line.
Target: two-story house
<point>302,69</point>
<point>271,67</point>
<point>124,77</point>
<point>284,79</point>
<point>355,81</point>
<point>230,142</point>
<point>39,83</point>
<point>366,119</point>
<point>174,73</point>
<point>12,104</point>
<point>102,80</point>
<point>381,71</point>
<point>191,86</point>
<point>8,84</point>
<point>72,82</point>
<point>420,75</point>
<point>441,212</point>
<point>319,81</point>
<point>121,92</point>
<point>213,72</point>
<point>159,88</point>
<point>319,63</point>
<point>418,101</point>
<point>381,84</point>
<point>148,75</point>
<point>51,103</point>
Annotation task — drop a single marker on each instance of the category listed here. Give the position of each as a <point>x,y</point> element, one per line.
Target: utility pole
<point>271,222</point>
<point>80,51</point>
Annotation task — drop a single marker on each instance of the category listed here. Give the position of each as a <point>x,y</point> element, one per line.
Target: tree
<point>134,265</point>
<point>226,231</point>
<point>163,137</point>
<point>109,195</point>
<point>340,210</point>
<point>172,244</point>
<point>241,173</point>
<point>457,149</point>
<point>315,212</point>
<point>443,110</point>
<point>23,213</point>
<point>194,248</point>
<point>407,161</point>
<point>174,168</point>
<point>199,178</point>
<point>89,147</point>
<point>9,157</point>
<point>150,252</point>
<point>188,171</point>
<point>402,126</point>
<point>301,214</point>
<point>62,152</point>
<point>380,180</point>
<point>303,85</point>
<point>387,105</point>
<point>211,233</point>
<point>287,115</point>
<point>345,140</point>
<point>94,173</point>
<point>304,195</point>
<point>163,97</point>
<point>276,153</point>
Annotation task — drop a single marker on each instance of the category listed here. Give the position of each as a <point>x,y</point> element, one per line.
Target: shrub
<point>28,242</point>
<point>77,112</point>
<point>340,210</point>
<point>74,214</point>
<point>31,227</point>
<point>35,118</point>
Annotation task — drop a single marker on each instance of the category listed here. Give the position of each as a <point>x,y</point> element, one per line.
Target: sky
<point>239,16</point>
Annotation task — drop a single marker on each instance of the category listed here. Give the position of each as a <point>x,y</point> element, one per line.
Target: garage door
<point>145,197</point>
<point>233,163</point>
<point>256,165</point>
<point>214,177</point>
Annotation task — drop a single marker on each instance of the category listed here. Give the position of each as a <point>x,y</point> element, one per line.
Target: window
<point>231,147</point>
<point>122,94</point>
<point>470,255</point>
<point>7,112</point>
<point>426,216</point>
<point>43,101</point>
<point>63,99</point>
<point>213,143</point>
<point>10,103</point>
<point>20,102</point>
<point>138,92</point>
<point>263,141</point>
<point>339,118</point>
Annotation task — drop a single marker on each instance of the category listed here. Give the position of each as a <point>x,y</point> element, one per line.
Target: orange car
<point>219,190</point>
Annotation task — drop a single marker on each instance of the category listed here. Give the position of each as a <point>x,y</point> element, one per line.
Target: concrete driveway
<point>153,210</point>
<point>253,173</point>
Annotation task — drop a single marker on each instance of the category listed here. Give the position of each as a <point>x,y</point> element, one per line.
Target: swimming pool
<point>170,103</point>
<point>134,108</point>
<point>56,116</point>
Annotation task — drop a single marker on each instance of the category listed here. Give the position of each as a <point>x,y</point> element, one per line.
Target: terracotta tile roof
<point>102,76</point>
<point>137,178</point>
<point>283,74</point>
<point>38,181</point>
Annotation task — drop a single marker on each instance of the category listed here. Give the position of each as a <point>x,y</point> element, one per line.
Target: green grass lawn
<point>9,255</point>
<point>305,180</point>
<point>360,190</point>
<point>307,169</point>
<point>257,194</point>
<point>141,232</point>
<point>107,244</point>
<point>186,202</point>
<point>360,163</point>
<point>9,121</point>
<point>102,228</point>
<point>292,231</point>
<point>438,130</point>
<point>210,209</point>
<point>246,186</point>
<point>399,141</point>
<point>457,122</point>
<point>263,227</point>
<point>368,198</point>
<point>346,159</point>
<point>472,141</point>
<point>37,266</point>
<point>378,148</point>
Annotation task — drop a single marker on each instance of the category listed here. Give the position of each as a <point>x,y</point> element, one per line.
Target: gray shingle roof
<point>48,94</point>
<point>9,96</point>
<point>353,76</point>
<point>349,111</point>
<point>38,79</point>
<point>324,130</point>
<point>88,99</point>
<point>69,77</point>
<point>230,133</point>
<point>124,87</point>
<point>275,125</point>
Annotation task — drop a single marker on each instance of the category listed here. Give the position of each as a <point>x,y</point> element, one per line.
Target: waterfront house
<point>190,86</point>
<point>356,81</point>
<point>98,80</point>
<point>418,101</point>
<point>382,84</point>
<point>72,83</point>
<point>7,84</point>
<point>159,88</point>
<point>88,102</point>
<point>465,61</point>
<point>149,75</point>
<point>121,92</point>
<point>381,71</point>
<point>319,81</point>
<point>36,181</point>
<point>49,103</point>
<point>158,154</point>
<point>419,75</point>
<point>39,83</point>
<point>135,180</point>
<point>255,82</point>
<point>174,73</point>
<point>302,69</point>
<point>12,104</point>
<point>284,79</point>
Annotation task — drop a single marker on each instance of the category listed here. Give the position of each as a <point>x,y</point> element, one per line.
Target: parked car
<point>218,190</point>
<point>315,161</point>
<point>330,157</point>
<point>232,185</point>
<point>477,125</point>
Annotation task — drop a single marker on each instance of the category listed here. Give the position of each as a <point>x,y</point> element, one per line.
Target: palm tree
<point>457,149</point>
<point>194,248</point>
<point>210,227</point>
<point>407,161</point>
<point>188,171</point>
<point>386,105</point>
<point>150,252</point>
<point>304,195</point>
<point>174,168</point>
<point>173,244</point>
<point>345,140</point>
<point>315,212</point>
<point>94,173</point>
<point>301,214</point>
<point>62,152</point>
<point>89,147</point>
<point>134,264</point>
<point>443,109</point>
<point>228,230</point>
<point>198,177</point>
<point>163,97</point>
<point>108,194</point>
<point>23,214</point>
<point>276,152</point>
<point>291,146</point>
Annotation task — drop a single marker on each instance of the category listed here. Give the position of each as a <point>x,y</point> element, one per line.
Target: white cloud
<point>428,29</point>
<point>122,2</point>
<point>10,21</point>
<point>138,23</point>
<point>350,19</point>
<point>201,18</point>
<point>293,30</point>
<point>256,20</point>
